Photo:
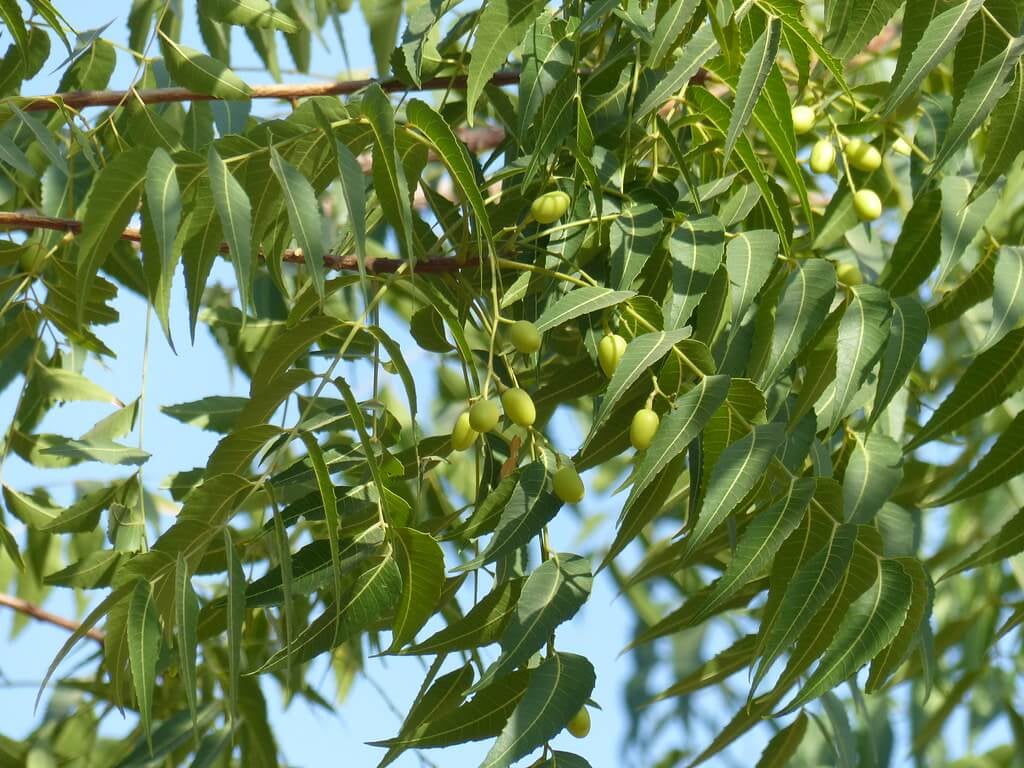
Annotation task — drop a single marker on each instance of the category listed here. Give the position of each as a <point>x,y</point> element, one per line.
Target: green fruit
<point>862,155</point>
<point>609,352</point>
<point>484,415</point>
<point>823,156</point>
<point>549,207</point>
<point>567,484</point>
<point>901,147</point>
<point>641,430</point>
<point>849,274</point>
<point>579,726</point>
<point>463,434</point>
<point>867,204</point>
<point>519,407</point>
<point>524,337</point>
<point>804,118</point>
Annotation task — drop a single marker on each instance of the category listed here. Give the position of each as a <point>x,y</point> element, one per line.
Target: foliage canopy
<point>824,517</point>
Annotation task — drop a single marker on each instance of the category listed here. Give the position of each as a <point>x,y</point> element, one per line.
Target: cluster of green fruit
<point>484,415</point>
<point>859,154</point>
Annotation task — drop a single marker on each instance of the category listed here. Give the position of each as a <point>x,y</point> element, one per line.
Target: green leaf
<point>790,12</point>
<point>236,618</point>
<point>894,654</point>
<point>528,510</point>
<point>303,215</point>
<point>112,599</point>
<point>641,353</point>
<point>757,65</point>
<point>580,301</point>
<point>749,259</point>
<point>761,539</point>
<point>677,429</point>
<point>1006,543</point>
<point>10,12</point>
<point>701,47</point>
<point>987,86</point>
<point>455,156</point>
<point>641,508</point>
<point>873,472</point>
<point>105,451</point>
<point>248,13</point>
<point>199,72</point>
<point>671,24</point>
<point>918,247</point>
<point>807,590</point>
<point>482,626</point>
<point>482,717</point>
<point>287,347</point>
<point>1005,133</point>
<point>389,179</point>
<point>440,698</point>
<point>112,200</point>
<point>353,188</point>
<point>738,470</point>
<point>235,214</point>
<point>500,28</point>
<point>552,594</point>
<point>94,570</point>
<point>633,237</point>
<point>186,623</point>
<point>559,686</point>
<point>214,414</point>
<point>1007,295</point>
<point>784,744</point>
<point>722,665</point>
<point>375,592</point>
<point>421,563</point>
<point>988,381</point>
<point>144,649</point>
<point>696,248</point>
<point>163,203</point>
<point>872,622</point>
<point>863,332</point>
<point>851,25</point>
<point>938,39</point>
<point>802,309</point>
<point>908,332</point>
<point>1003,462</point>
<point>962,220</point>
<point>43,138</point>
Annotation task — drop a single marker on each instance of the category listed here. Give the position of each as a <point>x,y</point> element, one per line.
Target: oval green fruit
<point>823,156</point>
<point>519,407</point>
<point>484,415</point>
<point>524,337</point>
<point>642,428</point>
<point>567,484</point>
<point>862,155</point>
<point>550,207</point>
<point>867,204</point>
<point>804,118</point>
<point>579,726</point>
<point>901,147</point>
<point>849,274</point>
<point>463,435</point>
<point>609,352</point>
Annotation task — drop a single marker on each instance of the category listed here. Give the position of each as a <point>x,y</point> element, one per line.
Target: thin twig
<point>33,610</point>
<point>286,91</point>
<point>30,221</point>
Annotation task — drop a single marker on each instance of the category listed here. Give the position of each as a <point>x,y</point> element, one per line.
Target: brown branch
<point>286,91</point>
<point>31,221</point>
<point>33,610</point>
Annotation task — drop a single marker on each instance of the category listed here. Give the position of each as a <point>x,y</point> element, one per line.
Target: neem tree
<point>806,378</point>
